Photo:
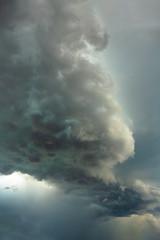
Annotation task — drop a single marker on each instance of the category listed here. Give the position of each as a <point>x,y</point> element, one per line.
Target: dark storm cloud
<point>57,117</point>
<point>59,122</point>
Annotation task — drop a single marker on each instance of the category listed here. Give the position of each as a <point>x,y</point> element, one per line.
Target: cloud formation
<point>59,122</point>
<point>58,119</point>
<point>47,213</point>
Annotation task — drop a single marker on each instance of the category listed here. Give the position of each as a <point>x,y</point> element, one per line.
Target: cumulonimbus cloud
<point>58,120</point>
<point>57,117</point>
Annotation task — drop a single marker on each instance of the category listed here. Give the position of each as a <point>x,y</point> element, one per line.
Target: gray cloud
<point>58,120</point>
<point>47,213</point>
<point>57,117</point>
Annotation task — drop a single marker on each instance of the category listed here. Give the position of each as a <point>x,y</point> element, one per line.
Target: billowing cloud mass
<point>58,119</point>
<point>60,122</point>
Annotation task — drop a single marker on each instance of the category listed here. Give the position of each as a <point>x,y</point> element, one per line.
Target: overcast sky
<point>79,124</point>
<point>132,59</point>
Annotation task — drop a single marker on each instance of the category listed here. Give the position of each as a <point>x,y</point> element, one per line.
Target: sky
<point>132,59</point>
<point>79,124</point>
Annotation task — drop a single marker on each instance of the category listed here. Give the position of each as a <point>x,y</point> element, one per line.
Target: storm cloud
<point>58,119</point>
<point>60,123</point>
